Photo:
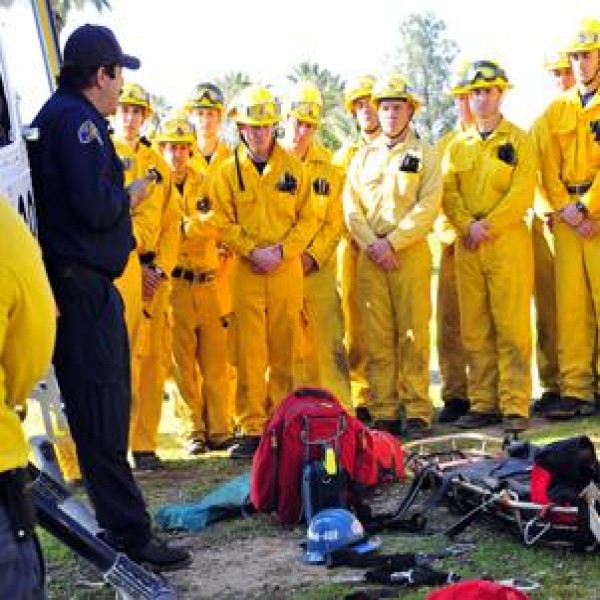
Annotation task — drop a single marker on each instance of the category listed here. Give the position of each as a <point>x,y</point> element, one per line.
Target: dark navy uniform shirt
<point>82,207</point>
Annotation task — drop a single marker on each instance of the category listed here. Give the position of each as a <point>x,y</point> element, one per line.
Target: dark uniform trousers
<point>21,568</point>
<point>91,361</point>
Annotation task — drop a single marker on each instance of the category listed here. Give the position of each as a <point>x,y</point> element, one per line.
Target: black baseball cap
<point>94,46</point>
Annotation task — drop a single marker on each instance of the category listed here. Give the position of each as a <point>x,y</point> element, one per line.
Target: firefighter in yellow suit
<point>451,354</point>
<point>490,176</point>
<point>325,359</point>
<point>559,67</point>
<point>265,215</point>
<point>391,199</point>
<point>27,330</point>
<point>145,283</point>
<point>570,167</point>
<point>199,337</point>
<point>205,108</point>
<point>357,101</point>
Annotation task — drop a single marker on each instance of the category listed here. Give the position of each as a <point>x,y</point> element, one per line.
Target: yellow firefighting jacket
<point>393,193</point>
<point>254,210</point>
<point>478,184</point>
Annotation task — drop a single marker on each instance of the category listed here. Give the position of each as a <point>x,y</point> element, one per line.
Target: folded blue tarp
<point>227,501</point>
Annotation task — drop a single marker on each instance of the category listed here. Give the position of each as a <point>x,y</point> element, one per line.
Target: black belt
<point>193,276</point>
<point>73,270</point>
<point>578,189</point>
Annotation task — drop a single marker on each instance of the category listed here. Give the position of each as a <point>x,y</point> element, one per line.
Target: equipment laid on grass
<point>546,493</point>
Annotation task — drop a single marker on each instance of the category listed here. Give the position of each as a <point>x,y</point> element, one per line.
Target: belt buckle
<point>197,277</point>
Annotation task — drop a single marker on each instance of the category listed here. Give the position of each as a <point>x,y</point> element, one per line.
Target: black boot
<point>454,409</point>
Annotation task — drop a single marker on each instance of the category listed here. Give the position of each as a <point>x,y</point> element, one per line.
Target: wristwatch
<point>581,207</point>
<point>157,270</point>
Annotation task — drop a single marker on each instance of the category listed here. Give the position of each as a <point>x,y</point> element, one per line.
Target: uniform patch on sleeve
<point>88,132</point>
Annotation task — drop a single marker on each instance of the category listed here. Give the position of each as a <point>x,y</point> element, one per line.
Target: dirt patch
<point>262,567</point>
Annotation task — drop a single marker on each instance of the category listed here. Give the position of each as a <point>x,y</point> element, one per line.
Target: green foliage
<point>425,56</point>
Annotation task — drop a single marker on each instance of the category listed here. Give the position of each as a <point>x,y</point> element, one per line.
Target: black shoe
<point>454,408</point>
<point>196,447</point>
<point>393,426</point>
<point>546,400</point>
<point>245,447</point>
<point>158,556</point>
<point>146,461</point>
<point>476,420</point>
<point>221,446</point>
<point>569,407</point>
<point>515,423</point>
<point>363,414</point>
<point>417,429</point>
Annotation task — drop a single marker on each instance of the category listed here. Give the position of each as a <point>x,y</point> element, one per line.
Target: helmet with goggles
<point>587,37</point>
<point>206,95</point>
<point>484,74</point>
<point>255,105</point>
<point>305,103</point>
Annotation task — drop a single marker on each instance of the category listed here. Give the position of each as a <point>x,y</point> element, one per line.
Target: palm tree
<point>232,83</point>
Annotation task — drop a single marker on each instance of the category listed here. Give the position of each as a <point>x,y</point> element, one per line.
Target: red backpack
<point>304,423</point>
<point>380,460</point>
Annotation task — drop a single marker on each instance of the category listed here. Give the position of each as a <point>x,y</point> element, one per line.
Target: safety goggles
<point>484,71</point>
<point>308,110</point>
<point>208,94</point>
<point>587,38</point>
<point>267,111</point>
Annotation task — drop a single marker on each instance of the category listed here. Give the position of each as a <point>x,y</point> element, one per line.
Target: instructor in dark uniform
<point>85,234</point>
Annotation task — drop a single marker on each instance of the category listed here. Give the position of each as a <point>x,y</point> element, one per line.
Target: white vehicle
<point>15,176</point>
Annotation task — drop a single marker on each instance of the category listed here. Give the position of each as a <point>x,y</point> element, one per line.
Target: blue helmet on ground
<point>334,529</point>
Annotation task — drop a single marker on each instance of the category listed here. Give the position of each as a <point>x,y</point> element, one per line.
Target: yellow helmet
<point>485,74</point>
<point>206,95</point>
<point>361,87</point>
<point>587,37</point>
<point>178,131</point>
<point>255,105</point>
<point>458,81</point>
<point>558,59</point>
<point>395,87</point>
<point>135,94</point>
<point>305,103</point>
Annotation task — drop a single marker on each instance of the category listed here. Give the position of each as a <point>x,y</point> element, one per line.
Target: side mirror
<point>30,134</point>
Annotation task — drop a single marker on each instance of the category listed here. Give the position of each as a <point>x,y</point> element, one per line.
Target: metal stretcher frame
<point>533,522</point>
